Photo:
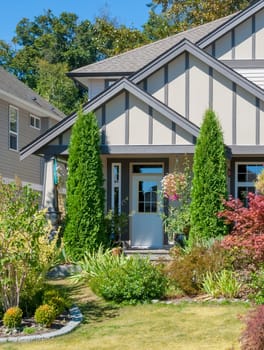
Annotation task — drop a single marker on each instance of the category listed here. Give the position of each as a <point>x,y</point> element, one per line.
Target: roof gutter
<point>42,112</point>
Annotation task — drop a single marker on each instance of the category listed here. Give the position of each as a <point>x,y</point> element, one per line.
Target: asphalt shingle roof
<point>13,86</point>
<point>133,60</point>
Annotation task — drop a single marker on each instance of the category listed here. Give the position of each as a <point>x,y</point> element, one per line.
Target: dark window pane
<point>242,168</point>
<point>147,169</point>
<point>116,200</point>
<point>141,207</point>
<point>241,177</point>
<point>13,141</point>
<point>37,123</point>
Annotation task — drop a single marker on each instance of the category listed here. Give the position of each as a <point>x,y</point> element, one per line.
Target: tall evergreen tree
<point>209,185</point>
<point>84,230</point>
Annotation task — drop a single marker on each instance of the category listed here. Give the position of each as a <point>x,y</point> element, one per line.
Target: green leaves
<point>85,229</point>
<point>209,185</point>
<point>25,250</point>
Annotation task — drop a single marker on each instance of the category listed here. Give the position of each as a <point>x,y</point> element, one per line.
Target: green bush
<point>45,315</point>
<point>97,263</point>
<point>257,286</point>
<point>221,284</point>
<point>121,279</point>
<point>138,280</point>
<point>13,317</point>
<point>188,267</point>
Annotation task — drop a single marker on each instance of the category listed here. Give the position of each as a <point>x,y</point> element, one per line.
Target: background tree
<point>182,14</point>
<point>85,198</point>
<point>54,85</point>
<point>209,186</point>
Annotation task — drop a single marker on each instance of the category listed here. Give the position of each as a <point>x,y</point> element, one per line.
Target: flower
<point>173,184</point>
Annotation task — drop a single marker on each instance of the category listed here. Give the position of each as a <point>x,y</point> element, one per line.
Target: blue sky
<point>129,12</point>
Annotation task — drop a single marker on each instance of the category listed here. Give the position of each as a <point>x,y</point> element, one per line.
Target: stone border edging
<point>76,319</point>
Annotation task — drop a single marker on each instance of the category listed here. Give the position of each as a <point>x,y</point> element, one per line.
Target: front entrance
<point>146,221</point>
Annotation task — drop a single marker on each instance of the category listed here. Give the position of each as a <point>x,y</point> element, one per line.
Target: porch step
<point>153,254</point>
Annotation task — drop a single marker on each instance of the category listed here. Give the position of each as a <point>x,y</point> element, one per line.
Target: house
<point>149,103</point>
<point>24,115</point>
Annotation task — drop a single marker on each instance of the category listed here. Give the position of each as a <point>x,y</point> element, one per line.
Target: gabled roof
<point>133,60</point>
<point>186,46</point>
<point>122,85</point>
<point>231,23</point>
<point>19,93</point>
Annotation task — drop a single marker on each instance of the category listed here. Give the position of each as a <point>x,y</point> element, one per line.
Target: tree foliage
<point>209,186</point>
<point>54,85</point>
<point>184,14</point>
<point>25,251</point>
<point>85,199</point>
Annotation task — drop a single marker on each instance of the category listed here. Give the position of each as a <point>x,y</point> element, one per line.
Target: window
<point>246,175</point>
<point>34,122</point>
<point>148,169</point>
<point>109,82</point>
<point>13,128</point>
<point>116,188</point>
<point>147,196</point>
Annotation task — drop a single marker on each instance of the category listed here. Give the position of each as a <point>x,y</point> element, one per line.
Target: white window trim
<point>116,185</point>
<point>10,132</point>
<point>243,184</point>
<point>35,118</point>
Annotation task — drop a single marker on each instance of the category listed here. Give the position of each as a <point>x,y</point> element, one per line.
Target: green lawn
<point>185,326</point>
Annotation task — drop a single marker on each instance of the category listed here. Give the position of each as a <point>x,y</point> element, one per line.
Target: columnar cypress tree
<point>85,196</point>
<point>209,185</point>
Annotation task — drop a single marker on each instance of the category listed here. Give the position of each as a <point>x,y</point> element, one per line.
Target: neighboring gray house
<point>149,103</point>
<point>24,115</point>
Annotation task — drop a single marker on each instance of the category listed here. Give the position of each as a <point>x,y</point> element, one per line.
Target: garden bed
<point>30,330</point>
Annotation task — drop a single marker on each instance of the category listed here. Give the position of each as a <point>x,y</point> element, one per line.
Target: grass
<point>188,326</point>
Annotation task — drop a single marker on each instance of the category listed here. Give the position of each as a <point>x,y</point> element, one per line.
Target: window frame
<point>246,183</point>
<point>11,132</point>
<point>35,118</point>
<point>116,185</point>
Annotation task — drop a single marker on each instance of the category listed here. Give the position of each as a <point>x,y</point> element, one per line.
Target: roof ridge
<point>154,43</point>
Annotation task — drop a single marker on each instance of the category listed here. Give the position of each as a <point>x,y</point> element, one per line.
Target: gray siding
<point>30,169</point>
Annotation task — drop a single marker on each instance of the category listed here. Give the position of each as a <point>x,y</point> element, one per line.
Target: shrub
<point>121,279</point>
<point>13,317</point>
<point>97,263</point>
<point>57,300</point>
<point>85,222</point>
<point>223,283</point>
<point>253,335</point>
<point>209,184</point>
<point>257,286</point>
<point>26,252</point>
<point>188,267</point>
<point>45,315</point>
<point>137,280</point>
<point>247,224</point>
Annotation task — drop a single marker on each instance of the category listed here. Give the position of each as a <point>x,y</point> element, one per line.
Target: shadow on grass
<point>92,308</point>
<point>95,311</point>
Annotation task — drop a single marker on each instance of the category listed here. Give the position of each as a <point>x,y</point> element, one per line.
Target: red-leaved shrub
<point>253,335</point>
<point>247,226</point>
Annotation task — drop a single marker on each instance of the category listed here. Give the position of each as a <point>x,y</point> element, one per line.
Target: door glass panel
<point>147,196</point>
<point>147,169</point>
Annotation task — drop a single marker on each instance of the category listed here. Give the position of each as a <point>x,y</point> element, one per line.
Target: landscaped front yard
<point>188,326</point>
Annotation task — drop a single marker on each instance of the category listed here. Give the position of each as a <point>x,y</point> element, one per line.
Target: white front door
<point>146,218</point>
